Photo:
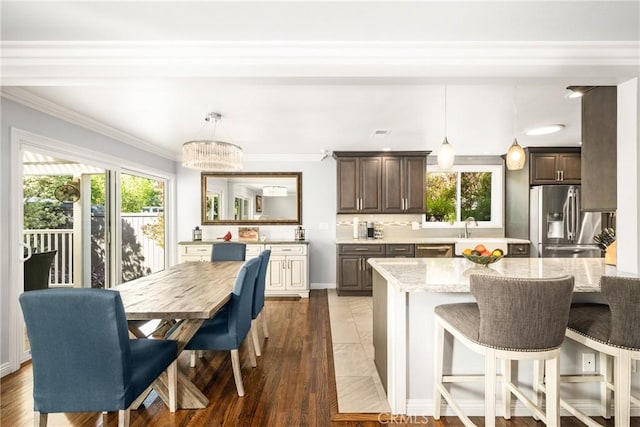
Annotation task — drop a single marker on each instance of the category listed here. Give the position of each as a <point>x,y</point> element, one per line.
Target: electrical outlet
<point>588,362</point>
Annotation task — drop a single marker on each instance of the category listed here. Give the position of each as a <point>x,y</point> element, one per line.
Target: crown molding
<point>40,62</point>
<point>38,103</point>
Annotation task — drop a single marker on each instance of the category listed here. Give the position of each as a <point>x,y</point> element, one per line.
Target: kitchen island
<point>405,292</point>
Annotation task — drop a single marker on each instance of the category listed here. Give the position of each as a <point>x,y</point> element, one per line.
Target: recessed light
<point>544,130</point>
<point>386,149</point>
<point>574,94</point>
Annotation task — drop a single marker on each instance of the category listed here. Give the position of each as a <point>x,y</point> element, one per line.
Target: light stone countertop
<point>452,274</point>
<point>256,242</point>
<point>419,240</point>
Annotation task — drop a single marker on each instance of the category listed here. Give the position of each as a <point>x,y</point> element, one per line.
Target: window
<point>213,206</point>
<point>465,191</point>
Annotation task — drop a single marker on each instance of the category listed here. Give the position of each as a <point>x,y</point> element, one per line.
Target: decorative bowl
<point>483,259</point>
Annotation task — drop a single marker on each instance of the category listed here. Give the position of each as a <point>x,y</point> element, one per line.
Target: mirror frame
<point>203,204</point>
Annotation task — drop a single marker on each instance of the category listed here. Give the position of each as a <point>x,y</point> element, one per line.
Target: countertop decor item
<point>197,234</point>
<point>209,154</point>
<point>226,237</point>
<point>483,259</point>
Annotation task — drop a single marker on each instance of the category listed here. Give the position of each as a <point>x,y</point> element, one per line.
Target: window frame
<point>497,195</point>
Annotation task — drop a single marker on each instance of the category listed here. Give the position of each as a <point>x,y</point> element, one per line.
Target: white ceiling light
<point>515,153</point>
<point>274,191</point>
<point>446,153</point>
<point>544,130</point>
<point>211,155</point>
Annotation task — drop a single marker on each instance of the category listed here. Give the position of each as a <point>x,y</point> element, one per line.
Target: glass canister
<point>197,234</point>
<point>299,235</point>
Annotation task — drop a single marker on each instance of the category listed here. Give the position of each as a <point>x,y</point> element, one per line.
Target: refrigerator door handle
<point>567,216</point>
<point>572,217</point>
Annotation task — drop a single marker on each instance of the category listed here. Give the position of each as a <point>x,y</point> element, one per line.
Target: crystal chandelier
<point>211,155</point>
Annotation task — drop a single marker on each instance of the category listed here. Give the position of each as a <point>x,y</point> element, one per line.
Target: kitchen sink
<point>490,243</point>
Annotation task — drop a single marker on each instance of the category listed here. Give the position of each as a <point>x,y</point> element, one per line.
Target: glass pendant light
<point>515,154</point>
<point>446,153</point>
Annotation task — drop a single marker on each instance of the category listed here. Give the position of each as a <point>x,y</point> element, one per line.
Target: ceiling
<point>301,78</point>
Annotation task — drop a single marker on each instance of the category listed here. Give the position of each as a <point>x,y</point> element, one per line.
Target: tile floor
<point>357,381</point>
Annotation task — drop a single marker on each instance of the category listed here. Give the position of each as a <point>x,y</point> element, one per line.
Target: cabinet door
<point>348,185</point>
<point>599,149</point>
<point>367,275</point>
<point>276,273</point>
<point>392,185</point>
<point>370,170</point>
<point>349,273</point>
<point>570,166</point>
<point>544,168</point>
<point>296,272</point>
<point>415,185</point>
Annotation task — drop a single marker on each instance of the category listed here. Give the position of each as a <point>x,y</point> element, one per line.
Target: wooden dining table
<point>188,293</point>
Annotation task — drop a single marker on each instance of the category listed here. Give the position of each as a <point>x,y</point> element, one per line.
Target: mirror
<point>251,198</point>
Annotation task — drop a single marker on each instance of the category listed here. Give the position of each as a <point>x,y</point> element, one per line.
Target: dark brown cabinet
<point>403,184</point>
<point>599,152</point>
<point>355,276</point>
<point>555,168</point>
<point>359,185</point>
<point>518,250</point>
<point>381,182</point>
<point>400,250</point>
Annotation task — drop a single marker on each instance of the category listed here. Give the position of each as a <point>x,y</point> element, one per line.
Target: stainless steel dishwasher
<point>434,251</point>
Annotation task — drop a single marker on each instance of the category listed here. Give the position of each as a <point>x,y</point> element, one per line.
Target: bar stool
<point>513,319</point>
<point>613,330</point>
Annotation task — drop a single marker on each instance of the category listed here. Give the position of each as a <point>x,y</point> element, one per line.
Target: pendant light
<point>209,154</point>
<point>515,154</point>
<point>446,154</point>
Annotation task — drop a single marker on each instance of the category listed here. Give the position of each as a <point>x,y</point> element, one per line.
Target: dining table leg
<point>189,396</point>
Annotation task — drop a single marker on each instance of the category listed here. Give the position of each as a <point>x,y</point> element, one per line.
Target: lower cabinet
<point>288,271</point>
<point>354,274</point>
<point>518,250</point>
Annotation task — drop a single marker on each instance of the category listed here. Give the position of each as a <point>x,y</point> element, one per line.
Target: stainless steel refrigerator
<point>558,227</point>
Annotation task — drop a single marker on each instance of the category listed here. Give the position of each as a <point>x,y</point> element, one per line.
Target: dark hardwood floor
<point>293,385</point>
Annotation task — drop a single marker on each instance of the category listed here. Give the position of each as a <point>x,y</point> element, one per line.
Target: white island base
<point>405,292</point>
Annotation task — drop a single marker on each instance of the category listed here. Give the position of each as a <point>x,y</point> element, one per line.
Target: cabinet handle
<point>361,204</point>
<point>561,175</point>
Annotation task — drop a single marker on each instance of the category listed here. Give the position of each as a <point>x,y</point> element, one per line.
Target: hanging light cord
<point>445,111</point>
<point>515,109</point>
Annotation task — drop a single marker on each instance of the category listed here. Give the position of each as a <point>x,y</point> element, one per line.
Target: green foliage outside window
<point>473,198</point>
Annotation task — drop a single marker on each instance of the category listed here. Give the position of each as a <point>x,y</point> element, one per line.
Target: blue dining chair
<point>229,251</point>
<point>258,301</point>
<point>82,357</point>
<point>229,327</point>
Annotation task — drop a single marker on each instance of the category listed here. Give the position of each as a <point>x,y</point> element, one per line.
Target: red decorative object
<point>226,237</point>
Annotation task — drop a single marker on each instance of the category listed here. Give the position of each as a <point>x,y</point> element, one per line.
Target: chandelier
<point>211,155</point>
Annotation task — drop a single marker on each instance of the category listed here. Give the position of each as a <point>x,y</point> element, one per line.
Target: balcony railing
<point>60,240</point>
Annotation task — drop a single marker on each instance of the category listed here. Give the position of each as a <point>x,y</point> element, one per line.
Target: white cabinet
<point>288,272</point>
<point>198,251</point>
<point>194,252</point>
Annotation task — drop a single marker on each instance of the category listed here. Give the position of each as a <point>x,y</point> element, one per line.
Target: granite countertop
<point>452,274</point>
<point>266,242</point>
<point>419,240</point>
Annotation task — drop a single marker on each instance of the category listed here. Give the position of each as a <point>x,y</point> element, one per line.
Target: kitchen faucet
<point>466,224</point>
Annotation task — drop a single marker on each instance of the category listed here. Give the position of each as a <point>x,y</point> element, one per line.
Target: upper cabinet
<point>403,184</point>
<point>359,185</point>
<point>599,154</point>
<point>555,168</point>
<point>381,182</point>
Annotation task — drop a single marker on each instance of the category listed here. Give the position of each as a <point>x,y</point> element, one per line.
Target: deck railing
<point>60,240</point>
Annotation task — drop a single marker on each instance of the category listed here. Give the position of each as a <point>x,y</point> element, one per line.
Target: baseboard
<point>424,407</point>
<point>322,286</point>
<point>5,369</point>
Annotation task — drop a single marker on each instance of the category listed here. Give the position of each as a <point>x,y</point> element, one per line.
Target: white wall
<point>16,115</point>
<point>627,227</point>
<point>318,212</point>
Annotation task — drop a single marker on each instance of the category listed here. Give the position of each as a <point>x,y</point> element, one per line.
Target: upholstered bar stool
<point>513,319</point>
<point>613,330</point>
